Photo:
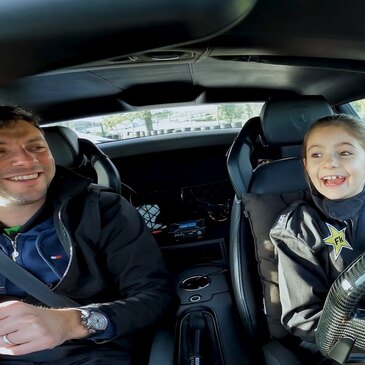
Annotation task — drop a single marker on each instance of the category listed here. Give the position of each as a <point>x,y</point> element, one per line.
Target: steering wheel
<point>342,324</point>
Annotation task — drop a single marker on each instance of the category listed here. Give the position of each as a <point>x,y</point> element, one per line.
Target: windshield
<point>163,121</point>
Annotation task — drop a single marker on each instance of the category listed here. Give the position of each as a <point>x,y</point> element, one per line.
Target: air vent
<point>163,56</point>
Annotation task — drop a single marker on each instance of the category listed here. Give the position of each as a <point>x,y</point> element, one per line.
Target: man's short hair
<point>10,114</point>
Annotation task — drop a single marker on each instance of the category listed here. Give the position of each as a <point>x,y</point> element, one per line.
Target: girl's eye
<point>316,155</point>
<point>345,153</point>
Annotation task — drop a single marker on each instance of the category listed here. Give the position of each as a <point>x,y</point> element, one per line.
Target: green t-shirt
<point>11,230</point>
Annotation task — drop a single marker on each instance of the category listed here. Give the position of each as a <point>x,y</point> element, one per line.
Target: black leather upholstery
<point>239,156</point>
<point>64,145</point>
<point>82,156</point>
<point>283,123</point>
<point>280,176</point>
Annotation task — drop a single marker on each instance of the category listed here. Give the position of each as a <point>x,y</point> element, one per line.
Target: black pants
<point>72,355</point>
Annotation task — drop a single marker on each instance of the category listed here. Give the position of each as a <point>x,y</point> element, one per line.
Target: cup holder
<point>196,282</point>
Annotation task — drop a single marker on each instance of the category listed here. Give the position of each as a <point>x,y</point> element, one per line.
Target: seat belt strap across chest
<point>32,285</point>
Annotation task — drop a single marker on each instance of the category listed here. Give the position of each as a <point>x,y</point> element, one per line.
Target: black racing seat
<point>82,155</point>
<point>261,193</point>
<point>87,159</point>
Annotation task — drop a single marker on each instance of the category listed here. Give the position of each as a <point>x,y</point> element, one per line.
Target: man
<point>88,245</point>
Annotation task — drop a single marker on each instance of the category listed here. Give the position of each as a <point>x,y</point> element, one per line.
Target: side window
<point>359,106</point>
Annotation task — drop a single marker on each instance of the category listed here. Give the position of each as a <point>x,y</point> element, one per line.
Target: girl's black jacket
<point>315,241</point>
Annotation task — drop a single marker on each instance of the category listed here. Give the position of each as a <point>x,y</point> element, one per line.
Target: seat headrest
<point>280,176</point>
<point>285,122</point>
<point>64,145</point>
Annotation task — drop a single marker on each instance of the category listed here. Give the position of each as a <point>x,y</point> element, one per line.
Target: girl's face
<point>335,162</point>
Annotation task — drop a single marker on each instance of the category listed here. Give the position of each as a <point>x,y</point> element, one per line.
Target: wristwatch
<point>93,320</point>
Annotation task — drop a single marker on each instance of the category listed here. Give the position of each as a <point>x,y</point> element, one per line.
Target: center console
<point>207,329</point>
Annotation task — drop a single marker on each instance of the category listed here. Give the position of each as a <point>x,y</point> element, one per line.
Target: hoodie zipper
<point>13,242</point>
<point>67,238</point>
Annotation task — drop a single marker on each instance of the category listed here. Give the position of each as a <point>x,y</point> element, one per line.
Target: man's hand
<point>29,328</point>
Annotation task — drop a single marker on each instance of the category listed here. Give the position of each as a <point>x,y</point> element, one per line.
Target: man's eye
<point>37,148</point>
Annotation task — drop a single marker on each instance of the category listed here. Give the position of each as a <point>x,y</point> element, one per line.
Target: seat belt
<point>32,285</point>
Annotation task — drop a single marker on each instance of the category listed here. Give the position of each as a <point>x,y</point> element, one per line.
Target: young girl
<point>316,240</point>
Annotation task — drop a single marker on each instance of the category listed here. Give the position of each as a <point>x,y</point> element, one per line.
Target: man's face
<point>335,162</point>
<point>26,165</point>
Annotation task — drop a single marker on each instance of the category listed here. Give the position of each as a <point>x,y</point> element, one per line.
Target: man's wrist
<point>93,320</point>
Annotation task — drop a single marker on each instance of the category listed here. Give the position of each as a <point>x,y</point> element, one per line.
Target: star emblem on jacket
<point>337,239</point>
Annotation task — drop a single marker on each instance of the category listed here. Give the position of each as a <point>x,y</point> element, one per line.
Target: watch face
<point>97,321</point>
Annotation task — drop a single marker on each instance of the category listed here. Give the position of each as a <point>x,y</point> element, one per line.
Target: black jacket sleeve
<point>135,264</point>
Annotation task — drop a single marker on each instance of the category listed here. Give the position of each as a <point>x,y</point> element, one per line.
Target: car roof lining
<point>84,93</point>
<point>62,33</point>
<point>243,51</point>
